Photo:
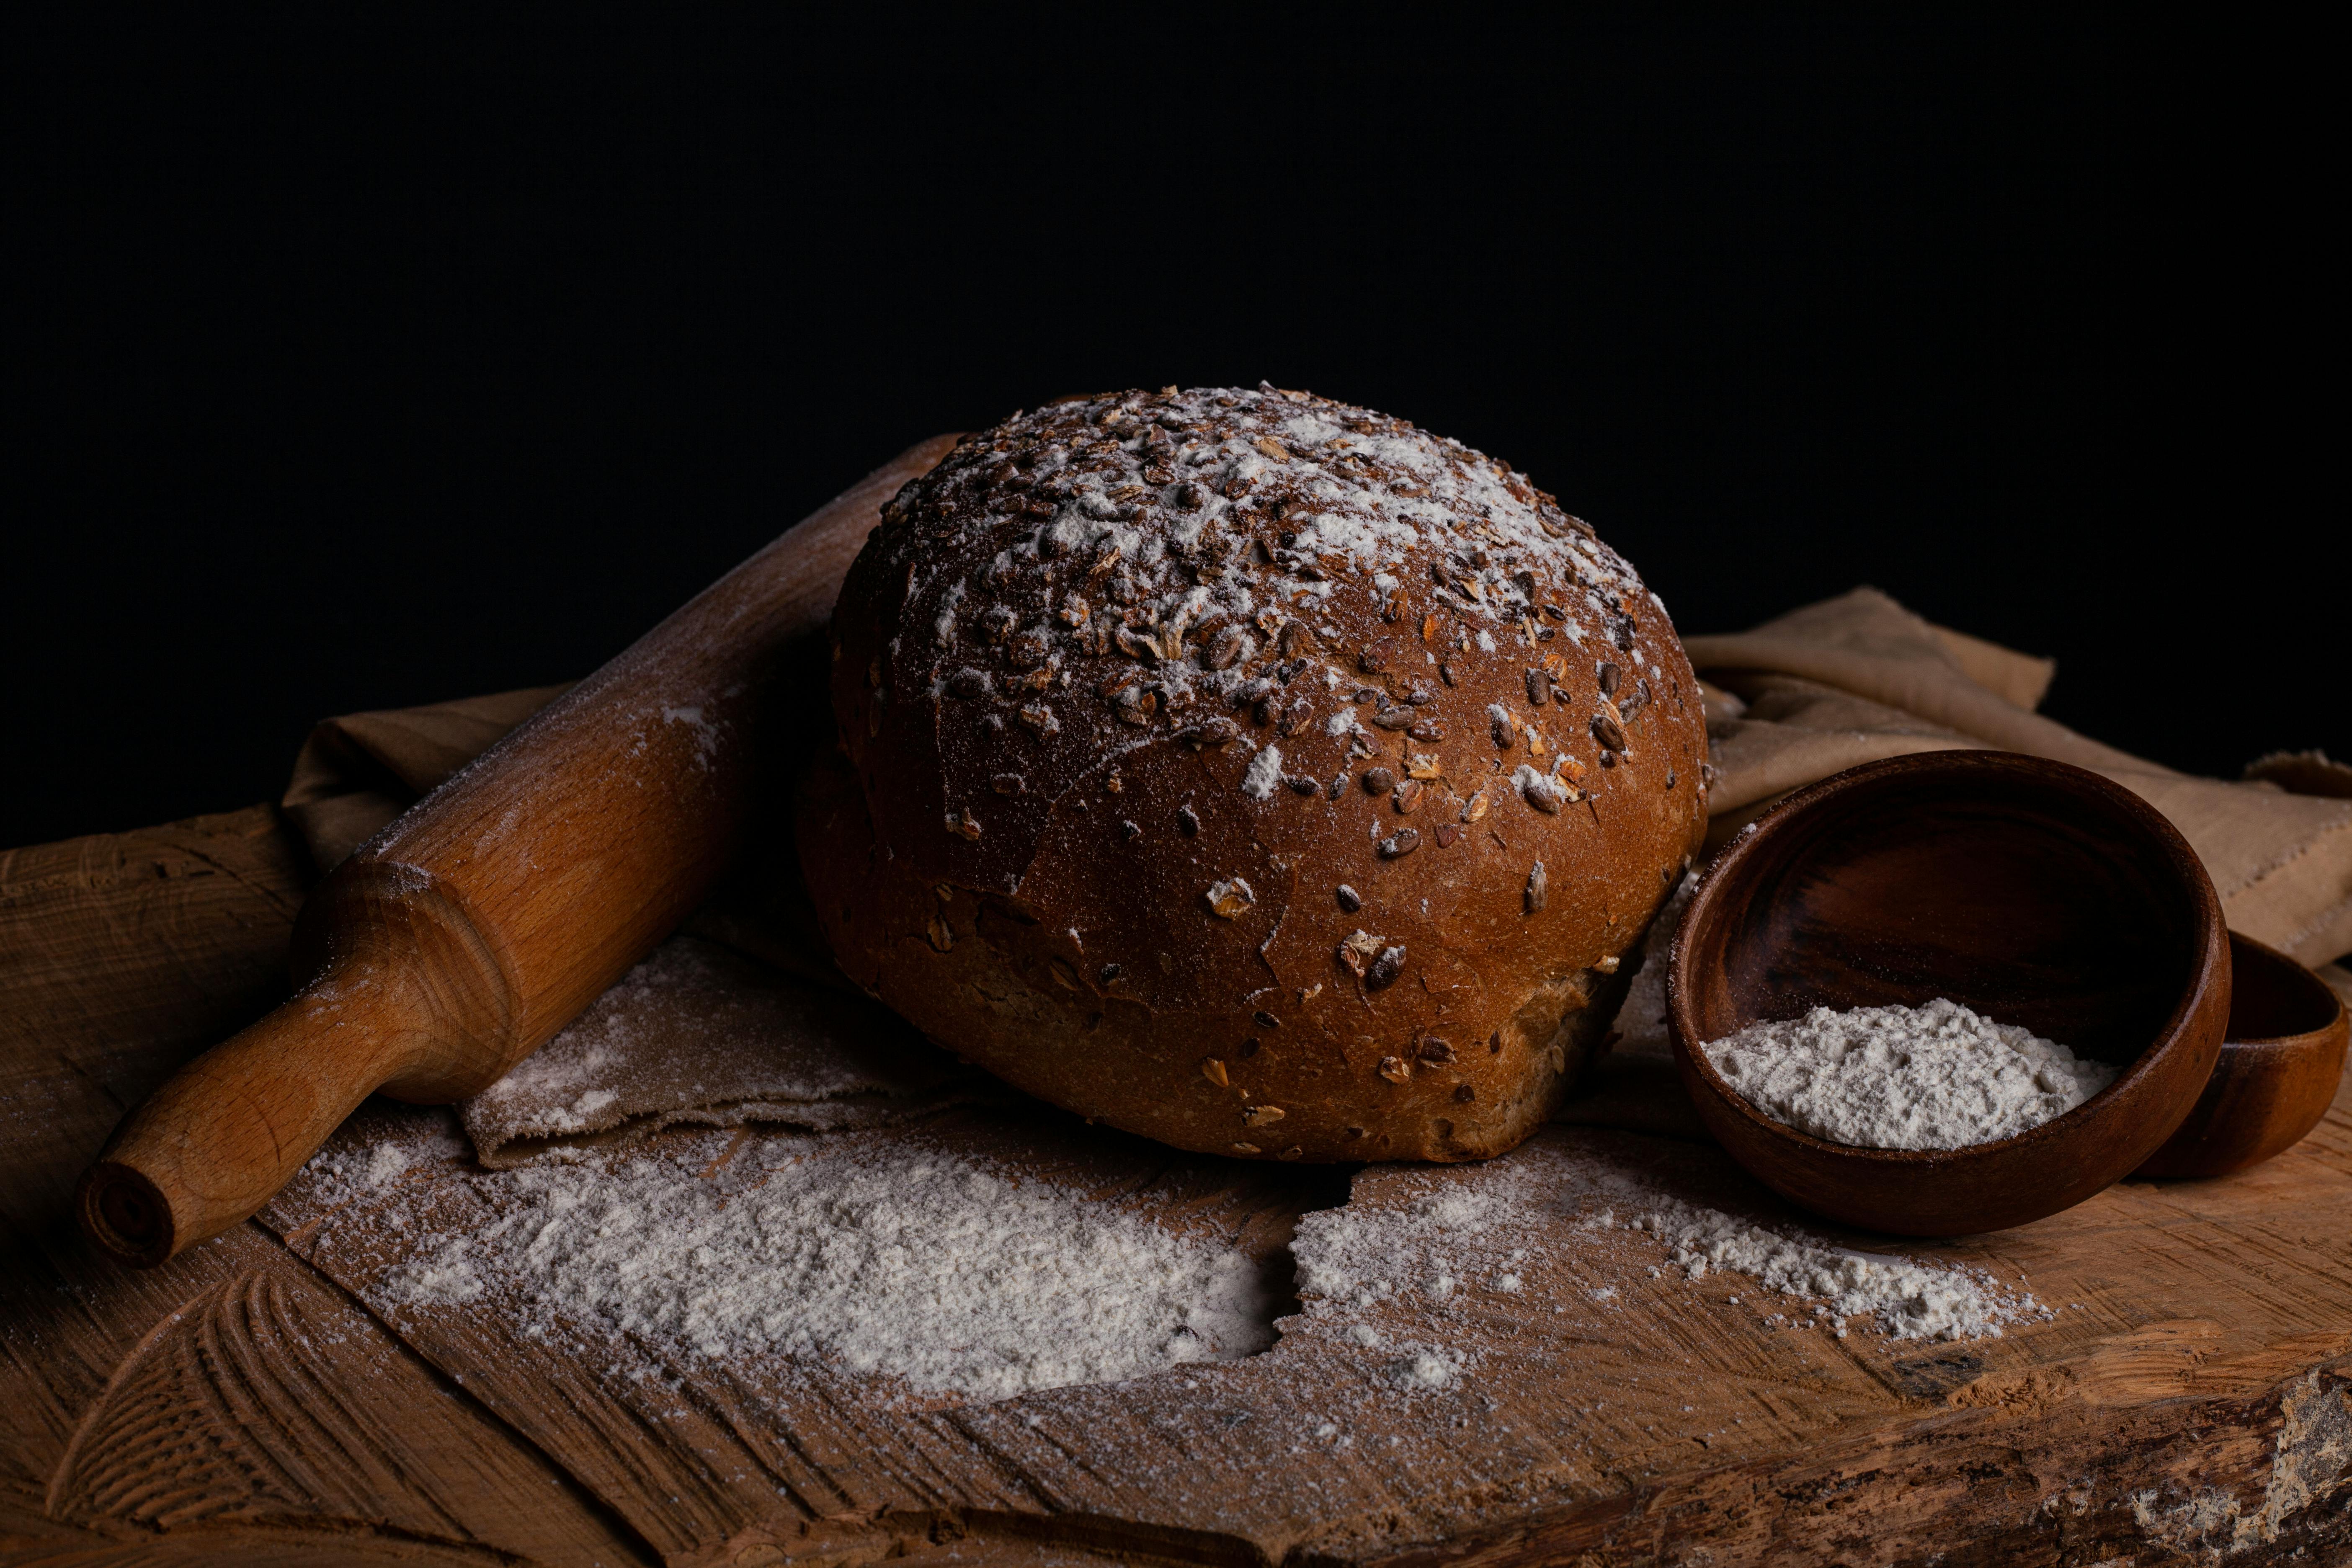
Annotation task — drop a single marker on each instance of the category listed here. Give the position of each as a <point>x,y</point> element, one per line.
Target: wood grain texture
<point>231,1400</point>
<point>98,1020</point>
<point>483,919</point>
<point>1665,1424</point>
<point>2196,1409</point>
<point>270,1397</point>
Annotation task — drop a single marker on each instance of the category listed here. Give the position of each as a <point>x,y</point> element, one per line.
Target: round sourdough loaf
<point>1253,772</point>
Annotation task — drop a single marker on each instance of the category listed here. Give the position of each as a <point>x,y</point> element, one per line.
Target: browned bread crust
<point>1253,772</point>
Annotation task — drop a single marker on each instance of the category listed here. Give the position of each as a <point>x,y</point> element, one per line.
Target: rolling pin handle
<point>212,1145</point>
<point>126,1213</point>
<point>495,909</point>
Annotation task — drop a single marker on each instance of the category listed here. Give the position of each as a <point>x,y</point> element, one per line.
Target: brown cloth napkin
<point>696,1034</point>
<point>357,772</point>
<point>1859,677</point>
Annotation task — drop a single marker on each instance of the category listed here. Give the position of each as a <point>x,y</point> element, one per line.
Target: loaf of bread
<point>1253,772</point>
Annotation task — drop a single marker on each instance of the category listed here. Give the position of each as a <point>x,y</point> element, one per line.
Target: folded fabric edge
<point>357,771</point>
<point>2020,678</point>
<point>842,1113</point>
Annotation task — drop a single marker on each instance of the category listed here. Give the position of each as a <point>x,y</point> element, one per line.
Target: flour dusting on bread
<point>1120,648</point>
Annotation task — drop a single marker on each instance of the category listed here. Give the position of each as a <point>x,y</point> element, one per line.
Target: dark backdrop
<point>355,370</point>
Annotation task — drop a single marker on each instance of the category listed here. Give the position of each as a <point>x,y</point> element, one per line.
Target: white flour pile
<point>909,1262</point>
<point>1939,1076</point>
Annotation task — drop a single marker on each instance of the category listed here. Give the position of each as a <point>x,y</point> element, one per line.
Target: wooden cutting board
<point>244,1399</point>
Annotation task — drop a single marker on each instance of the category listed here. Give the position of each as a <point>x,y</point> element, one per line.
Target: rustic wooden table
<point>244,1402</point>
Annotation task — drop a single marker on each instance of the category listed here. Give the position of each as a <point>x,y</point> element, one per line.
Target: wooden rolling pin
<point>484,919</point>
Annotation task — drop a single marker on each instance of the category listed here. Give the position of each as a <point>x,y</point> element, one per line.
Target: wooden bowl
<point>2280,1058</point>
<point>2037,893</point>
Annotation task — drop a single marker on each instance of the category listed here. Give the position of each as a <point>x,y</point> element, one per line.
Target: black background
<point>353,370</point>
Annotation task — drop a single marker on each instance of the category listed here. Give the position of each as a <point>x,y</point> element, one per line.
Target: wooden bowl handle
<point>484,919</point>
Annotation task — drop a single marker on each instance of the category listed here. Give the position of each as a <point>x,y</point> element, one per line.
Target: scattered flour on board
<point>908,1262</point>
<point>1462,1232</point>
<point>1448,1241</point>
<point>1905,1300</point>
<point>343,1173</point>
<point>947,1275</point>
<point>1939,1075</point>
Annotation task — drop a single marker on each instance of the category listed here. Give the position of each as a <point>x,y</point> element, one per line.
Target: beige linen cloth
<point>696,1034</point>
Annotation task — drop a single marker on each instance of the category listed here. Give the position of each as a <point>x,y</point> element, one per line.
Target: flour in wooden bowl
<point>1940,1076</point>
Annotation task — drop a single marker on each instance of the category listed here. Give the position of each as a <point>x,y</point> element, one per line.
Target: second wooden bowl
<point>2280,1065</point>
<point>2037,893</point>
